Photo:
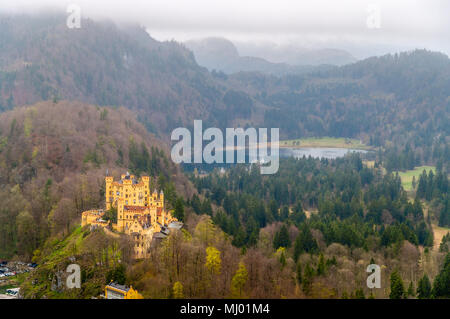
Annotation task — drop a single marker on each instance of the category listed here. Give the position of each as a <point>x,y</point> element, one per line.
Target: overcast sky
<point>403,24</point>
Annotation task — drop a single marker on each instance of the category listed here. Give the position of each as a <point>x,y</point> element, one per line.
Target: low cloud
<point>325,23</point>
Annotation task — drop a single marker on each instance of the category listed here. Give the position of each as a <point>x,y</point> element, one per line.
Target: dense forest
<point>313,206</point>
<point>350,199</point>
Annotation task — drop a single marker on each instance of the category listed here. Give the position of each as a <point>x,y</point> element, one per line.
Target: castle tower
<point>161,199</point>
<point>120,217</point>
<point>146,191</point>
<point>109,192</point>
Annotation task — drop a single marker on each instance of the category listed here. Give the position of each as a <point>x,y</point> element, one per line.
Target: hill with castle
<point>139,213</point>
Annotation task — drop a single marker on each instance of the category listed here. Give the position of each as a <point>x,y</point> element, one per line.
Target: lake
<point>317,152</point>
<point>285,152</point>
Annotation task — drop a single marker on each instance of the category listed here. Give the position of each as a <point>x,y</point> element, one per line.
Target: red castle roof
<point>134,208</point>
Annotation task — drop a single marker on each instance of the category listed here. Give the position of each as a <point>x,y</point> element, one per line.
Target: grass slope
<point>95,253</point>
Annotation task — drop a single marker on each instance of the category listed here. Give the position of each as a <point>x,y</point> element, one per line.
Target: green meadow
<point>407,176</point>
<point>332,142</point>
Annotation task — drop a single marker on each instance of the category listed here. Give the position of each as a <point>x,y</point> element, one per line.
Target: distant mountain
<point>295,55</point>
<point>222,55</point>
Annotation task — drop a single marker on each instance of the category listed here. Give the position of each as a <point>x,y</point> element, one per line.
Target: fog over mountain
<point>294,54</point>
<point>403,25</point>
<point>224,55</point>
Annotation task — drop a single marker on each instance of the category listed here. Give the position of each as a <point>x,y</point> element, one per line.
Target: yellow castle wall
<point>118,195</point>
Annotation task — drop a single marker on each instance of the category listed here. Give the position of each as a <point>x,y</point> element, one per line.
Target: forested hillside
<point>42,59</point>
<point>399,102</point>
<point>53,159</point>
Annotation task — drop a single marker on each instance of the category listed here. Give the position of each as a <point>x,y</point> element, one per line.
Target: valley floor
<point>333,142</point>
<point>407,176</point>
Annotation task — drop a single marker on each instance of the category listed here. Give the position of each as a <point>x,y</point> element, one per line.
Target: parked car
<point>12,291</point>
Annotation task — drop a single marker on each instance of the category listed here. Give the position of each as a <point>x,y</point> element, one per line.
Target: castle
<point>141,214</point>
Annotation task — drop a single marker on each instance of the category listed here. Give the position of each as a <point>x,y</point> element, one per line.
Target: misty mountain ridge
<point>296,55</point>
<point>101,63</point>
<point>223,55</point>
